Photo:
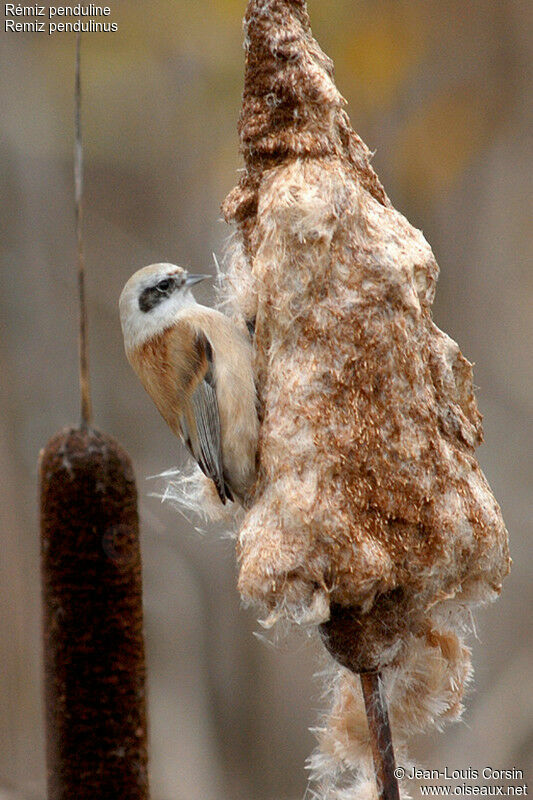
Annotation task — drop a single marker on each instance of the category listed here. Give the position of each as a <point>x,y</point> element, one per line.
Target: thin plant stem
<point>85,386</point>
<point>380,735</point>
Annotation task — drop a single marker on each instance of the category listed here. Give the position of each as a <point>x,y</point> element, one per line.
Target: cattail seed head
<point>93,634</point>
<point>371,517</point>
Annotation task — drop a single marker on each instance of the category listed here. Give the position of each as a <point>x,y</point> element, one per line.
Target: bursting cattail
<point>371,517</point>
<point>93,622</point>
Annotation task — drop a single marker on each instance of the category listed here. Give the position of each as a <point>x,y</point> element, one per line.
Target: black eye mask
<point>153,295</point>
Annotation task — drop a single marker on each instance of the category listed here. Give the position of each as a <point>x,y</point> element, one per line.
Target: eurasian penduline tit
<point>196,365</point>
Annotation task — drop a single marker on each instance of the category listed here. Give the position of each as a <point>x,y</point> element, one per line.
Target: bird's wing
<point>200,420</point>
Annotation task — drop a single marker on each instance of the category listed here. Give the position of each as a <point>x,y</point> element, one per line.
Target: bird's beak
<point>190,280</point>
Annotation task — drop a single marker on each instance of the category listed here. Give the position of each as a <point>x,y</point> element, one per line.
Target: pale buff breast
<point>159,372</point>
<point>169,369</point>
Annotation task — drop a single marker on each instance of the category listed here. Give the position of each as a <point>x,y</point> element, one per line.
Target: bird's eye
<point>164,285</point>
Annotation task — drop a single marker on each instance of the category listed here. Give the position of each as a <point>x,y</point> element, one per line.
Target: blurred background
<point>440,90</point>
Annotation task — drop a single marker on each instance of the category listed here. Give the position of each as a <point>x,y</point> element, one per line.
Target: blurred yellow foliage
<point>381,55</point>
<point>437,142</point>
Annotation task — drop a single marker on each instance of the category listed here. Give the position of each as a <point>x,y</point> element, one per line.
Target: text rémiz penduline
<point>14,10</point>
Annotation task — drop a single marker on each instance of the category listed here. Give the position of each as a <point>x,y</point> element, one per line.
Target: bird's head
<point>151,299</point>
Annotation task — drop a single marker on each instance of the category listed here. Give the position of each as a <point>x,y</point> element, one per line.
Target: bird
<point>196,365</point>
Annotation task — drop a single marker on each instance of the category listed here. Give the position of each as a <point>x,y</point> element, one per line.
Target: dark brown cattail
<point>93,623</point>
<point>92,592</point>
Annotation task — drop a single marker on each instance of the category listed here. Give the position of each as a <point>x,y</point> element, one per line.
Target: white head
<point>151,299</point>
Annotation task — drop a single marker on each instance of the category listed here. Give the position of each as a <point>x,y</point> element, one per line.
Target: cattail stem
<point>346,635</point>
<point>85,386</point>
<point>380,735</point>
